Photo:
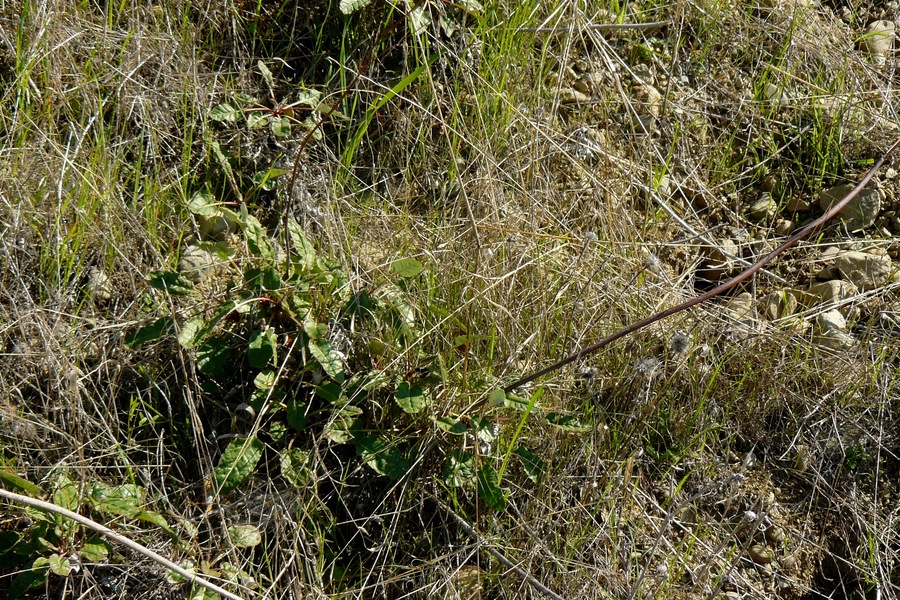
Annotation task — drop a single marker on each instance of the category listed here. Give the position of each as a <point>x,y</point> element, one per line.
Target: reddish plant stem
<point>743,276</point>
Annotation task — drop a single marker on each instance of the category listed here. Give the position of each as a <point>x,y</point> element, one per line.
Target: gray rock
<point>570,96</point>
<point>764,208</point>
<point>833,331</point>
<point>760,554</point>
<point>860,212</point>
<point>780,304</point>
<point>197,264</point>
<point>797,204</point>
<point>98,285</point>
<point>649,99</point>
<point>877,40</point>
<point>865,270</point>
<point>716,263</point>
<point>834,291</point>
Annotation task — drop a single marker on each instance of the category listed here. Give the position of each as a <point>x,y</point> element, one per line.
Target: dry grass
<point>713,457</point>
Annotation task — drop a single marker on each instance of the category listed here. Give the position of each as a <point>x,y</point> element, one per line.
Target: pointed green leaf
<point>451,425</point>
<point>489,488</point>
<point>35,576</point>
<point>11,479</point>
<point>407,268</point>
<point>497,397</point>
<point>212,356</point>
<point>328,358</point>
<point>569,423</point>
<point>484,429</point>
<point>534,465</point>
<point>244,536</point>
<point>257,240</point>
<point>237,463</point>
<point>266,73</point>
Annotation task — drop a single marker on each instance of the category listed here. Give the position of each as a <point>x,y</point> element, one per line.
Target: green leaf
<point>349,7</point>
<point>203,203</point>
<point>295,467</point>
<point>484,429</point>
<point>517,402</point>
<point>221,158</point>
<point>18,482</point>
<point>383,457</point>
<point>489,488</point>
<point>124,500</point>
<point>459,469</point>
<point>410,397</point>
<point>32,578</point>
<point>296,413</point>
<point>262,348</point>
<point>328,358</point>
<point>266,73</point>
<point>266,179</point>
<point>191,332</point>
<point>95,549</point>
<point>471,6</point>
<point>60,565</point>
<point>226,112</point>
<point>497,397</point>
<point>257,240</point>
<point>256,119</point>
<point>174,284</point>
<point>451,425</point>
<point>281,126</point>
<point>330,392</point>
<point>534,465</point>
<point>149,516</point>
<point>244,536</point>
<point>569,423</point>
<point>407,268</point>
<point>304,252</point>
<point>237,462</point>
<point>343,429</point>
<point>212,356</point>
<point>277,431</point>
<point>265,380</point>
<point>311,98</point>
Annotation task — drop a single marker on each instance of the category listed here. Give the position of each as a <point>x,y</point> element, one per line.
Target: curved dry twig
<point>744,275</point>
<point>112,535</point>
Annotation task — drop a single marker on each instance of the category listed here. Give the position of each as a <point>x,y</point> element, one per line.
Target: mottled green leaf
<point>489,488</point>
<point>11,479</point>
<point>349,7</point>
<point>95,550</point>
<point>237,463</point>
<point>35,576</point>
<point>174,284</point>
<point>265,380</point>
<point>244,536</point>
<point>295,466</point>
<point>190,334</point>
<point>451,425</point>
<point>459,469</point>
<point>281,126</point>
<point>226,112</point>
<point>257,119</point>
<point>328,358</point>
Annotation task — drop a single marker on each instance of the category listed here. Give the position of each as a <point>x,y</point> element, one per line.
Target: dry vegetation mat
<point>273,269</point>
